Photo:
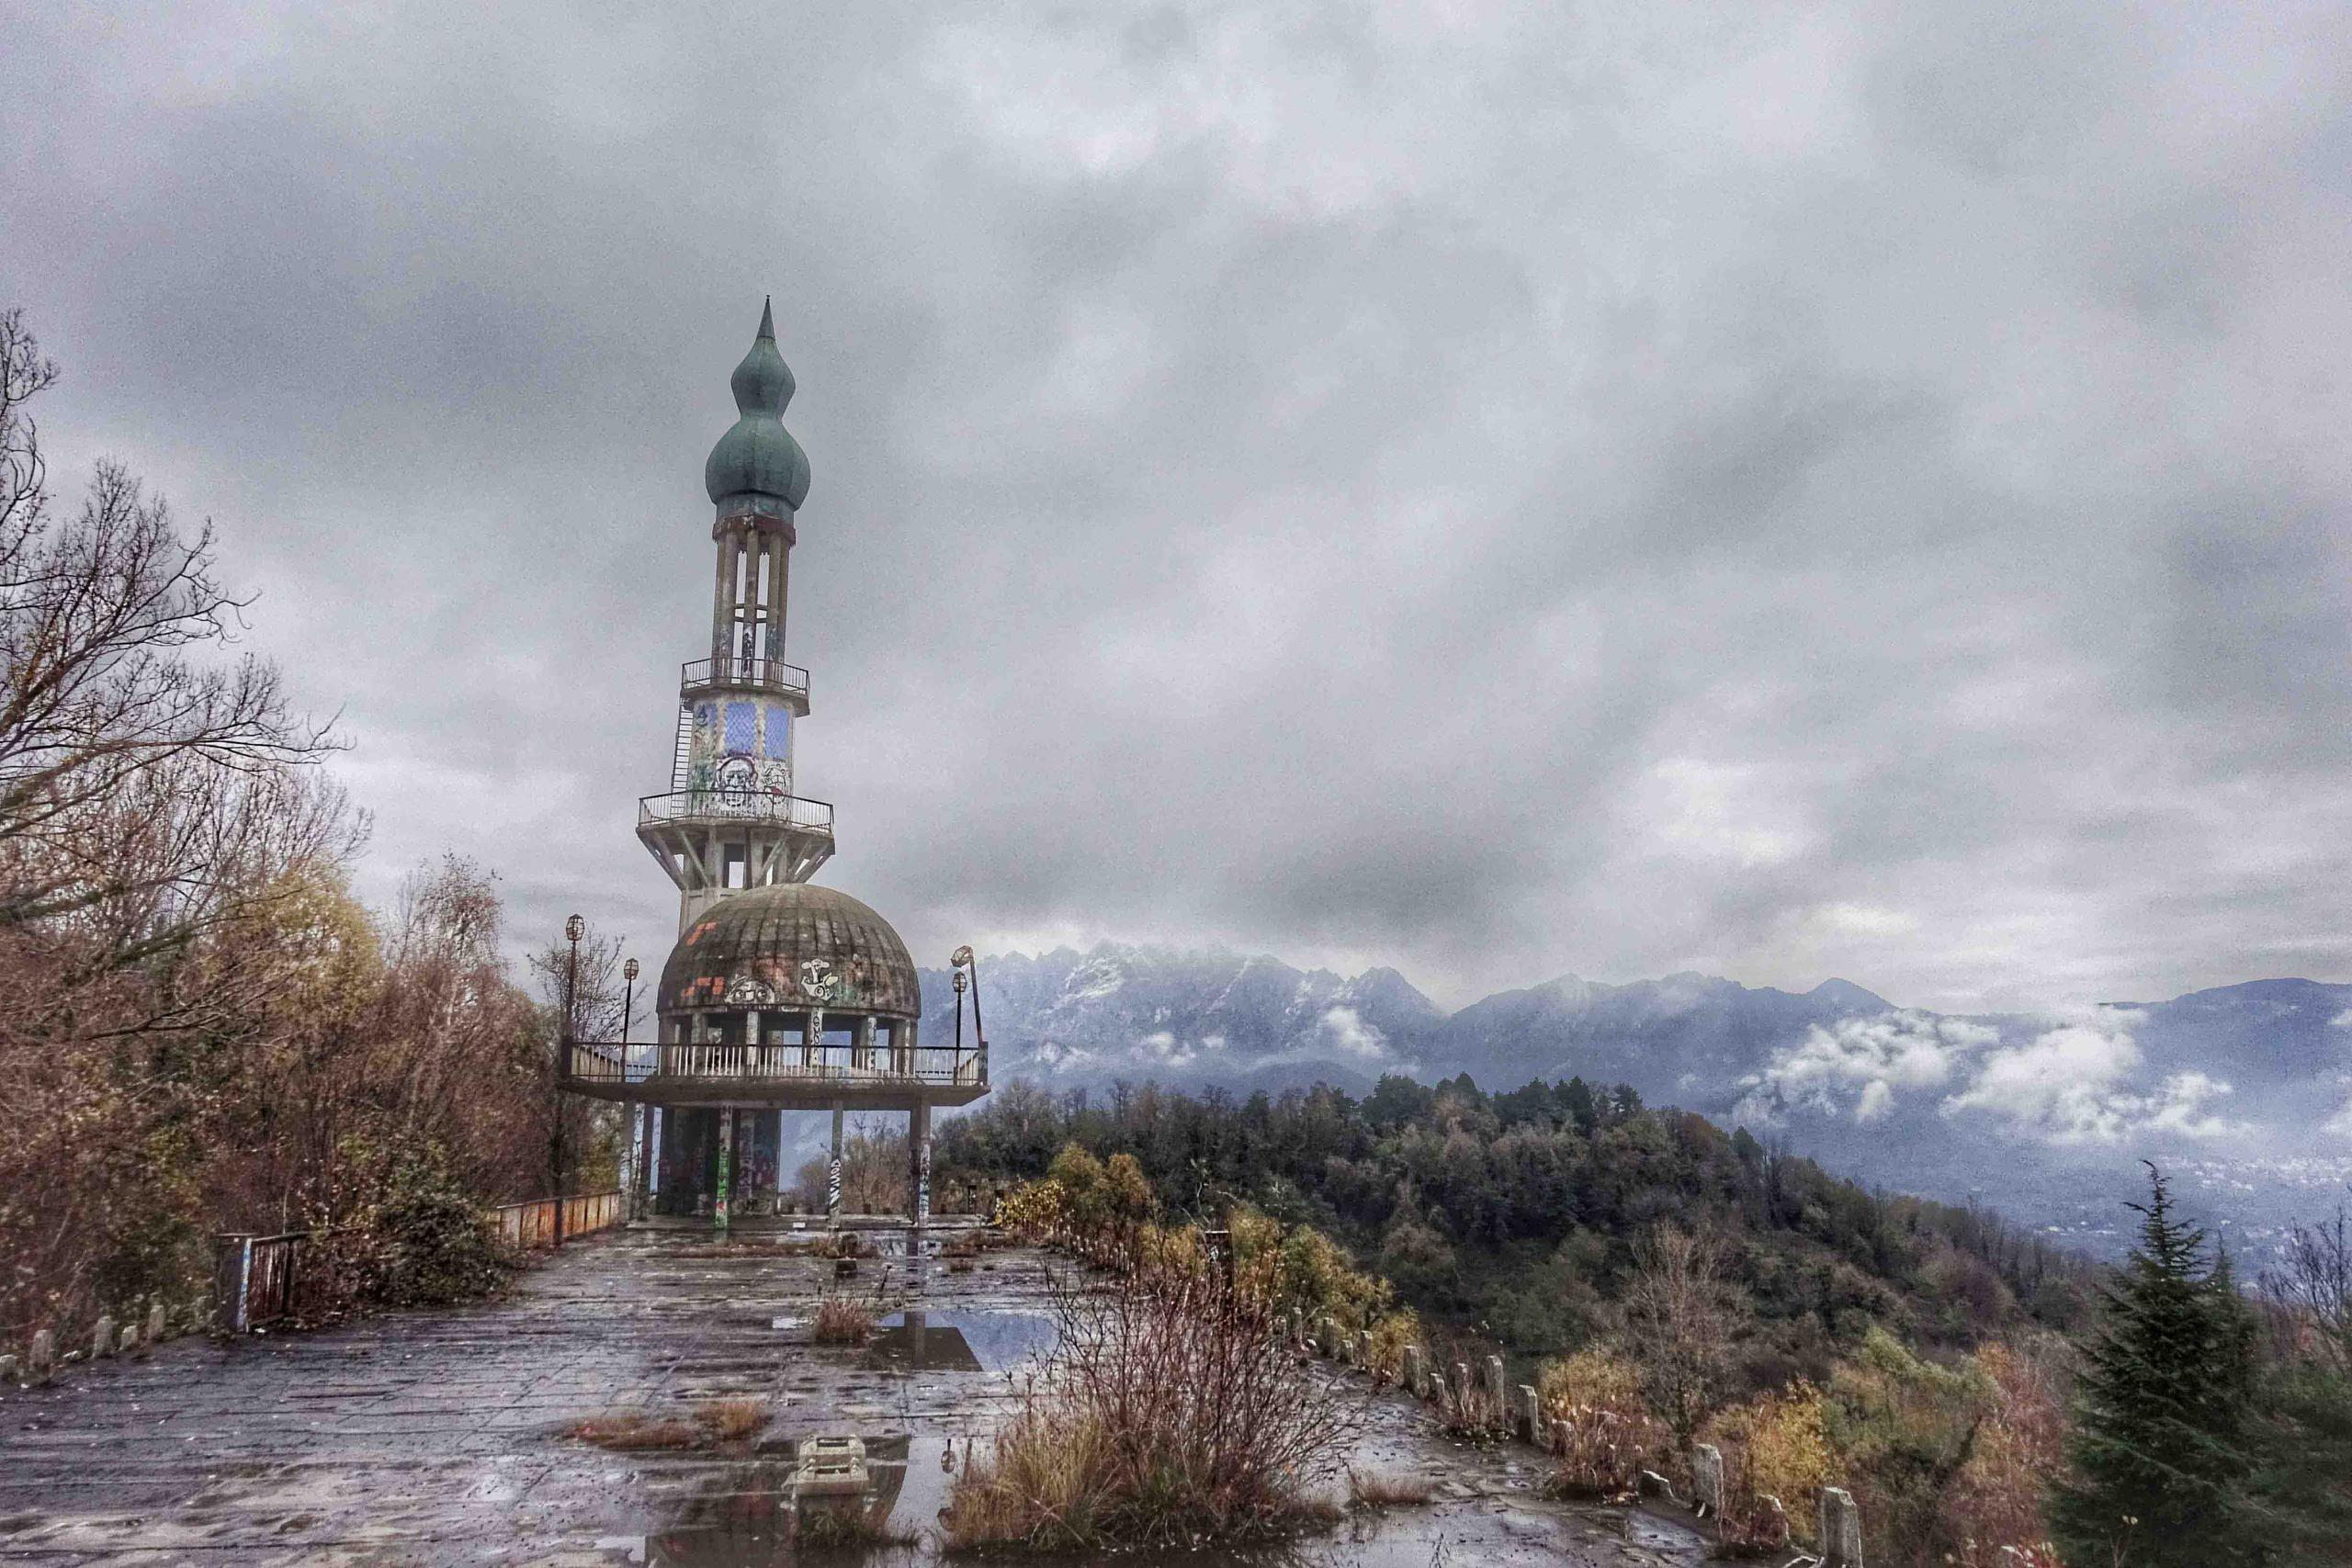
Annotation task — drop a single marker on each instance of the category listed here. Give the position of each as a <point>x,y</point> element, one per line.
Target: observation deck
<point>777,1076</point>
<point>773,676</point>
<point>716,839</point>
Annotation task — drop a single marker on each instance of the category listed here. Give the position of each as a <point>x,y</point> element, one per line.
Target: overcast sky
<point>1781,492</point>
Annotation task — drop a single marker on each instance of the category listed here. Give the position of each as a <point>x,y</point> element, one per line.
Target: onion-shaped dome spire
<point>758,457</point>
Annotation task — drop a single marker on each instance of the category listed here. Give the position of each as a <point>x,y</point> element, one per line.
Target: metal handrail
<point>767,674</point>
<point>642,1061</point>
<point>737,805</point>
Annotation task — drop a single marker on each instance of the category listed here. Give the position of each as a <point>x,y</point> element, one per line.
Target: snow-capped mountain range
<point>2248,1088</point>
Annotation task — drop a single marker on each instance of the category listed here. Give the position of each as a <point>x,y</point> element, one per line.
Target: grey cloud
<point>1854,492</point>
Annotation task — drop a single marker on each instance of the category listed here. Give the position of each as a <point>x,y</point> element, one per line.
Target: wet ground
<point>440,1437</point>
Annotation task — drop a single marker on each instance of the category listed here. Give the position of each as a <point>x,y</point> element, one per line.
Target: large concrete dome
<point>790,946</point>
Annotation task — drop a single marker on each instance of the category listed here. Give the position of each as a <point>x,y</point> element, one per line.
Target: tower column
<point>722,601</point>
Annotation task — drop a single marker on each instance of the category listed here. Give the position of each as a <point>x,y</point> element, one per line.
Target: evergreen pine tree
<point>2159,1470</point>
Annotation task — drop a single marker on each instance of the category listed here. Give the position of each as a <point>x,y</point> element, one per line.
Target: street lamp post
<point>574,929</point>
<point>640,1116</point>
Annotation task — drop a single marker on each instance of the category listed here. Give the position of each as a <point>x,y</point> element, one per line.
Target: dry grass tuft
<point>1387,1491</point>
<point>843,1529</point>
<point>625,1431</point>
<point>732,1420</point>
<point>843,1320</point>
<point>719,1422</point>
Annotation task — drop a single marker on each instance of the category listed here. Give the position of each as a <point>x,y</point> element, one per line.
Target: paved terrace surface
<point>439,1437</point>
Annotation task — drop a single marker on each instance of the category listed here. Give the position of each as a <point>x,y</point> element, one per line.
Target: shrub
<point>1606,1434</point>
<point>1775,1451</point>
<point>1170,1411</point>
<point>436,1247</point>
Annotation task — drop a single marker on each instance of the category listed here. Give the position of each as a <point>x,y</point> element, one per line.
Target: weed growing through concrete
<point>843,1320</point>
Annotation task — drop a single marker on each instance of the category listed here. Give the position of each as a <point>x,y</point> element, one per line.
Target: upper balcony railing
<point>736,806</point>
<point>765,674</point>
<point>612,1064</point>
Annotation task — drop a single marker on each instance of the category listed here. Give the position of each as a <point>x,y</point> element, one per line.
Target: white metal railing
<point>737,805</point>
<point>614,1064</point>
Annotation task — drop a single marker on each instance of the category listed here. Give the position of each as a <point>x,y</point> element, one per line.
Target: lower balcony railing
<point>608,1063</point>
<point>736,806</point>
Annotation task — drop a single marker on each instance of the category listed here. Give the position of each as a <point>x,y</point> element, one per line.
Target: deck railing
<point>736,806</point>
<point>532,1224</point>
<point>258,1280</point>
<point>768,675</point>
<point>613,1063</point>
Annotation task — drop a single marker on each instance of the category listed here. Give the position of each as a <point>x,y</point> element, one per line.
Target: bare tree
<point>1678,1310</point>
<point>2309,1291</point>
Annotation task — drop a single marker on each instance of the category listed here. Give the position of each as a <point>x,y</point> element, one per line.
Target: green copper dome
<point>758,457</point>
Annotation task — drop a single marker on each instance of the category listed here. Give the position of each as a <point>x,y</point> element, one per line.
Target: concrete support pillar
<point>722,1201</point>
<point>780,579</point>
<point>834,1172</point>
<point>722,602</point>
<point>1841,1530</point>
<point>640,1199</point>
<point>862,1056</point>
<point>919,1136</point>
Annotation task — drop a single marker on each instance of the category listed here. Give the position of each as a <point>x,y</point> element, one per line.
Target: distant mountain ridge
<point>1942,1103</point>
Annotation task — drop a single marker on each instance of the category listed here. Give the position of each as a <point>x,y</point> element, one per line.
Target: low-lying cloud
<point>2079,1080</point>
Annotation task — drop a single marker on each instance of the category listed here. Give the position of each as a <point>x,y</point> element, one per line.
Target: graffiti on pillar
<point>833,1185</point>
<point>719,1201</point>
<point>922,1176</point>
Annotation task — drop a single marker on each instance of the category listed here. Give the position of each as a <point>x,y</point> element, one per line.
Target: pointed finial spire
<point>758,457</point>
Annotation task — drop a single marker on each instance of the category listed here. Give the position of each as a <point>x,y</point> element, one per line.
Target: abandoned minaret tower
<point>780,995</point>
<point>736,708</point>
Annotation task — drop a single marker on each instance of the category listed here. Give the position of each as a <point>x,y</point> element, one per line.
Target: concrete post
<point>1462,1381</point>
<point>158,1323</point>
<point>721,1202</point>
<point>9,1372</point>
<point>1327,1335</point>
<point>102,1343</point>
<point>1707,1480</point>
<point>1498,1390</point>
<point>834,1172</point>
<point>1437,1391</point>
<point>1363,1350</point>
<point>1416,1372</point>
<point>1531,1414</point>
<point>1841,1530</point>
<point>1559,1436</point>
<point>41,1364</point>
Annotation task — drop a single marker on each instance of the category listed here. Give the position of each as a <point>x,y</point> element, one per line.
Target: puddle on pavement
<point>960,1341</point>
<point>744,1518</point>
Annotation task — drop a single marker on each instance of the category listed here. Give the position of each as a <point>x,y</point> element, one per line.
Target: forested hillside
<point>1517,1214</point>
